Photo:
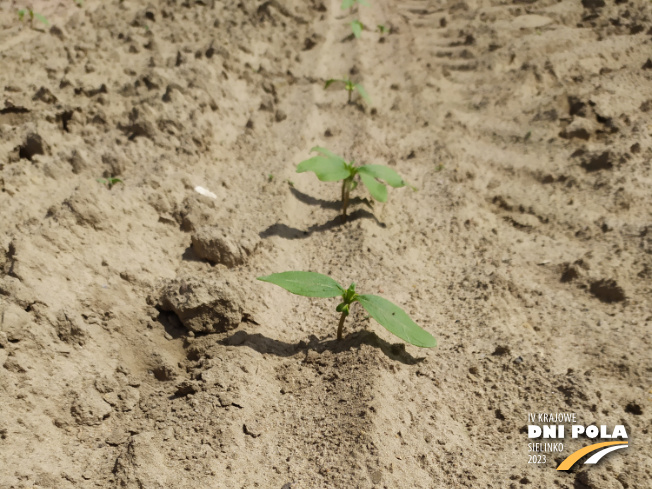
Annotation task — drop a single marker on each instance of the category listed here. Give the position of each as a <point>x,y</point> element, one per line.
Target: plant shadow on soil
<point>331,204</point>
<point>324,204</point>
<point>263,344</point>
<point>288,232</point>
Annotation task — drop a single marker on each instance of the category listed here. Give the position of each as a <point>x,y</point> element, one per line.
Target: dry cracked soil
<point>137,349</point>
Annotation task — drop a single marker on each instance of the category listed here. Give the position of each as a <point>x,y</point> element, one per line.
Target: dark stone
<point>501,350</point>
<point>602,161</point>
<point>570,273</point>
<point>607,290</point>
<point>576,106</point>
<point>308,44</point>
<point>44,95</point>
<point>634,408</point>
<point>33,145</point>
<point>593,3</point>
<point>578,132</point>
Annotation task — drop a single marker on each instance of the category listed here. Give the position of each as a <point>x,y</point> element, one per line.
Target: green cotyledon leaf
<point>377,190</point>
<point>325,152</point>
<point>331,81</point>
<point>41,18</point>
<point>396,321</point>
<point>384,173</point>
<point>350,3</point>
<point>326,168</point>
<point>307,284</point>
<point>362,92</point>
<point>356,27</point>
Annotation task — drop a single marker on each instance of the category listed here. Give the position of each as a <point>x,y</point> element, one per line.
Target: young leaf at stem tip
<point>350,87</point>
<point>109,182</point>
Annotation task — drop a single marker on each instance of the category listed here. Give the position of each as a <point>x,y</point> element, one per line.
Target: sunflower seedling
<point>32,15</point>
<point>109,182</point>
<point>350,87</point>
<point>392,317</point>
<point>332,168</point>
<point>357,27</point>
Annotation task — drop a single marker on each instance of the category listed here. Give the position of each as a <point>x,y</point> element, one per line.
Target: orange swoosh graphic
<point>575,456</point>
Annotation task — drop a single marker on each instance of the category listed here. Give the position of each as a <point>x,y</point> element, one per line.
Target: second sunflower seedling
<point>350,87</point>
<point>330,167</point>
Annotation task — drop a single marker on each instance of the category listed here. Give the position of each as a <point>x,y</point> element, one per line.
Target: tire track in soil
<point>358,389</point>
<point>560,203</point>
<point>325,386</point>
<point>421,439</point>
<point>369,448</point>
<point>343,383</point>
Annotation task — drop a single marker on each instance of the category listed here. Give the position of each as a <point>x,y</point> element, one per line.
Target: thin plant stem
<point>346,188</point>
<point>340,327</point>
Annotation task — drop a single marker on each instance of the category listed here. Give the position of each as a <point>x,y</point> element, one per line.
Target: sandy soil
<point>137,348</point>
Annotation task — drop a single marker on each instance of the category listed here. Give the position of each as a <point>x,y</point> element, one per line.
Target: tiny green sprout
<point>32,15</point>
<point>350,87</point>
<point>290,183</point>
<point>332,168</point>
<point>357,27</point>
<point>80,3</point>
<point>389,315</point>
<point>350,3</point>
<point>109,182</point>
<point>382,29</point>
<point>270,178</point>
